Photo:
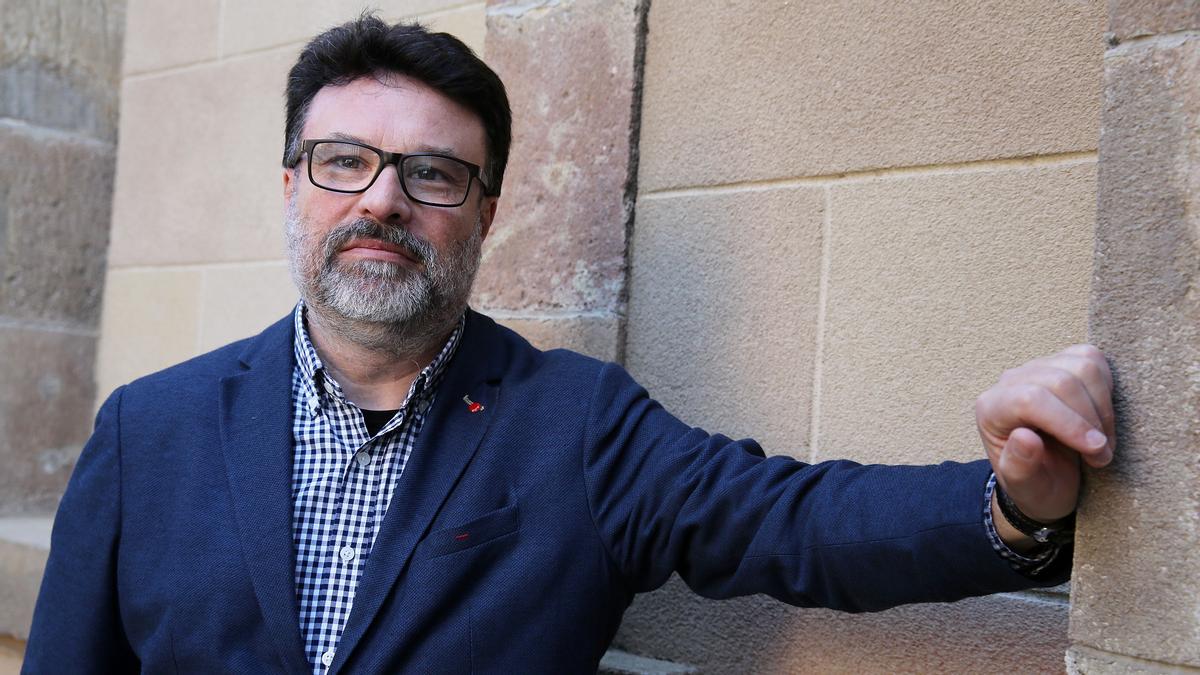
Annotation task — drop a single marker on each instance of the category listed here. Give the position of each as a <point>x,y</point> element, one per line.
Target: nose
<point>385,200</point>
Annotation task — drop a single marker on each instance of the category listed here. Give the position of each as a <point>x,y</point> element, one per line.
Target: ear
<point>289,183</point>
<point>487,213</point>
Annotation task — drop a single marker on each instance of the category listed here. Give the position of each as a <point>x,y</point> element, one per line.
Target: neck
<point>375,364</point>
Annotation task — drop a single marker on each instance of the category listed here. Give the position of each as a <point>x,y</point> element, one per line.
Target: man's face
<point>378,256</point>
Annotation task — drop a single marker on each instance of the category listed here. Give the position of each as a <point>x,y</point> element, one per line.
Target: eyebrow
<point>436,149</point>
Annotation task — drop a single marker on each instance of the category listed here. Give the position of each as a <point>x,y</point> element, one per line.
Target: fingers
<point>1005,408</point>
<point>1038,474</point>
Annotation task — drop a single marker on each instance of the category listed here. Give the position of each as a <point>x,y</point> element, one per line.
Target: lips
<point>380,250</point>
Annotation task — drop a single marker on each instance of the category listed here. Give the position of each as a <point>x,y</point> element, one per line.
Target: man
<point>386,481</point>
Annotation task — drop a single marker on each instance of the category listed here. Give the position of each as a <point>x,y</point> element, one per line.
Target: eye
<point>346,162</point>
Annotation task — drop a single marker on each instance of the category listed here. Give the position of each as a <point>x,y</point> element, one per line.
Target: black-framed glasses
<point>426,177</point>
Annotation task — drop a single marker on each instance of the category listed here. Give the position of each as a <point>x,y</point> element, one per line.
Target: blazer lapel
<point>448,440</point>
<point>256,436</point>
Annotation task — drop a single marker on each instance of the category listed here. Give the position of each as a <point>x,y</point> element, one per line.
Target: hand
<point>1040,419</point>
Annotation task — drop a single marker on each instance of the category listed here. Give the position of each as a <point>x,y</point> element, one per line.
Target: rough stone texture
<point>817,88</point>
<point>1084,661</point>
<point>597,336</point>
<point>238,301</point>
<point>204,186</point>
<point>60,63</point>
<point>937,284</point>
<point>168,34</point>
<point>1145,314</point>
<point>761,635</point>
<point>45,410</point>
<point>723,310</point>
<point>616,662</point>
<point>24,546</point>
<point>1133,18</point>
<point>151,321</point>
<point>558,243</point>
<point>55,194</point>
<point>249,26</point>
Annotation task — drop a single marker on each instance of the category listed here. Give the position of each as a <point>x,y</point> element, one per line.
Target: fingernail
<point>1096,440</point>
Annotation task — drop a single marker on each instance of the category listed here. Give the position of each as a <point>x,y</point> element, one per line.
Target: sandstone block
<point>1133,18</point>
<point>1084,661</point>
<point>597,336</point>
<point>206,186</point>
<point>54,201</point>
<point>558,243</point>
<point>936,285</point>
<point>996,634</point>
<point>238,301</point>
<point>162,35</point>
<point>151,321</point>
<point>248,26</point>
<point>45,413</point>
<point>24,546</point>
<point>1145,314</point>
<point>723,310</point>
<point>60,62</point>
<point>816,88</point>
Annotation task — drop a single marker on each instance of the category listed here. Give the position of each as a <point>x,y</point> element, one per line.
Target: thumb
<point>1019,459</point>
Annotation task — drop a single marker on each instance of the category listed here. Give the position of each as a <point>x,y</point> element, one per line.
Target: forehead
<point>399,114</point>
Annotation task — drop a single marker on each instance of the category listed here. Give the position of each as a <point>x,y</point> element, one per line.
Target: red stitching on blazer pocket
<point>481,530</point>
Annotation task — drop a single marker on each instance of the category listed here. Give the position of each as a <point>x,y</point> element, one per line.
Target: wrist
<point>1023,533</point>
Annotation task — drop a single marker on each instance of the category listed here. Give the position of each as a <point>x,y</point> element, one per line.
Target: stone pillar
<point>554,265</point>
<point>1135,601</point>
<point>59,75</point>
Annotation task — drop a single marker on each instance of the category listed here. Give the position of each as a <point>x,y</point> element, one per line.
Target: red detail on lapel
<point>462,537</point>
<point>472,406</point>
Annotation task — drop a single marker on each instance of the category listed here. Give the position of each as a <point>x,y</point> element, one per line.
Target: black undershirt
<point>375,419</point>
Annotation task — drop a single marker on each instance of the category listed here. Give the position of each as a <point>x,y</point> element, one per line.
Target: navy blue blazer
<point>517,536</point>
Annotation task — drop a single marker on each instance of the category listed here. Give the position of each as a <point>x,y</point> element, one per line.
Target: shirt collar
<point>316,382</point>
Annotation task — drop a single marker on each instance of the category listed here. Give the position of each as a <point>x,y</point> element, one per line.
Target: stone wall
<point>59,67</point>
<point>851,217</point>
<point>197,256</point>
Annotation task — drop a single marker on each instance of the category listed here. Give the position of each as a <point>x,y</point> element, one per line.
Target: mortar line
<point>1129,658</point>
<point>553,315</point>
<point>23,126</point>
<point>198,267</point>
<point>869,175</point>
<point>814,422</point>
<point>1170,39</point>
<point>44,326</point>
<point>197,65</point>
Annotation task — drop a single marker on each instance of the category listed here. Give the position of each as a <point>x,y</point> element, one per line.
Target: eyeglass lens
<point>350,168</point>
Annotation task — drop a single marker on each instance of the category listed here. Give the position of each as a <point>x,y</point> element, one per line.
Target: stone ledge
<point>616,662</point>
<point>1085,661</point>
<point>24,546</point>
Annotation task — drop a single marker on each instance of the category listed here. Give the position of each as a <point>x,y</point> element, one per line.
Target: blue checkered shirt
<point>342,481</point>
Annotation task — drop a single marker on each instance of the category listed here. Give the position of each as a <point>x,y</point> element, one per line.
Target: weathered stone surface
<point>1084,661</point>
<point>45,413</point>
<point>206,186</point>
<point>468,24</point>
<point>1145,314</point>
<point>997,634</point>
<point>559,239</point>
<point>60,62</point>
<point>55,194</point>
<point>723,310</point>
<point>938,283</point>
<point>151,321</point>
<point>616,662</point>
<point>597,336</point>
<point>248,26</point>
<point>24,545</point>
<point>817,88</point>
<point>1133,18</point>
<point>238,301</point>
<point>162,35</point>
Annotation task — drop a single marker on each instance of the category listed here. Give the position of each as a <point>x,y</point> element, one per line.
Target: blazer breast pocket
<point>481,530</point>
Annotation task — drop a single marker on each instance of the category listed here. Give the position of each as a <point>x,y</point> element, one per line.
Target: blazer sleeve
<point>666,498</point>
<point>76,623</point>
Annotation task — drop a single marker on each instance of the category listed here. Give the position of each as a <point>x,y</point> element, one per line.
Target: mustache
<point>365,228</point>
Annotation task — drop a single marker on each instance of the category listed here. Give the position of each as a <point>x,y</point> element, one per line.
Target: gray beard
<point>379,305</point>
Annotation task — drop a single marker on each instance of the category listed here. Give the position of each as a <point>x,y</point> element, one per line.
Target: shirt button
<point>363,458</point>
<point>327,658</point>
<point>347,554</point>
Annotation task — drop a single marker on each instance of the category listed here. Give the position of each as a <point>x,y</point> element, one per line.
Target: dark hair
<point>367,46</point>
